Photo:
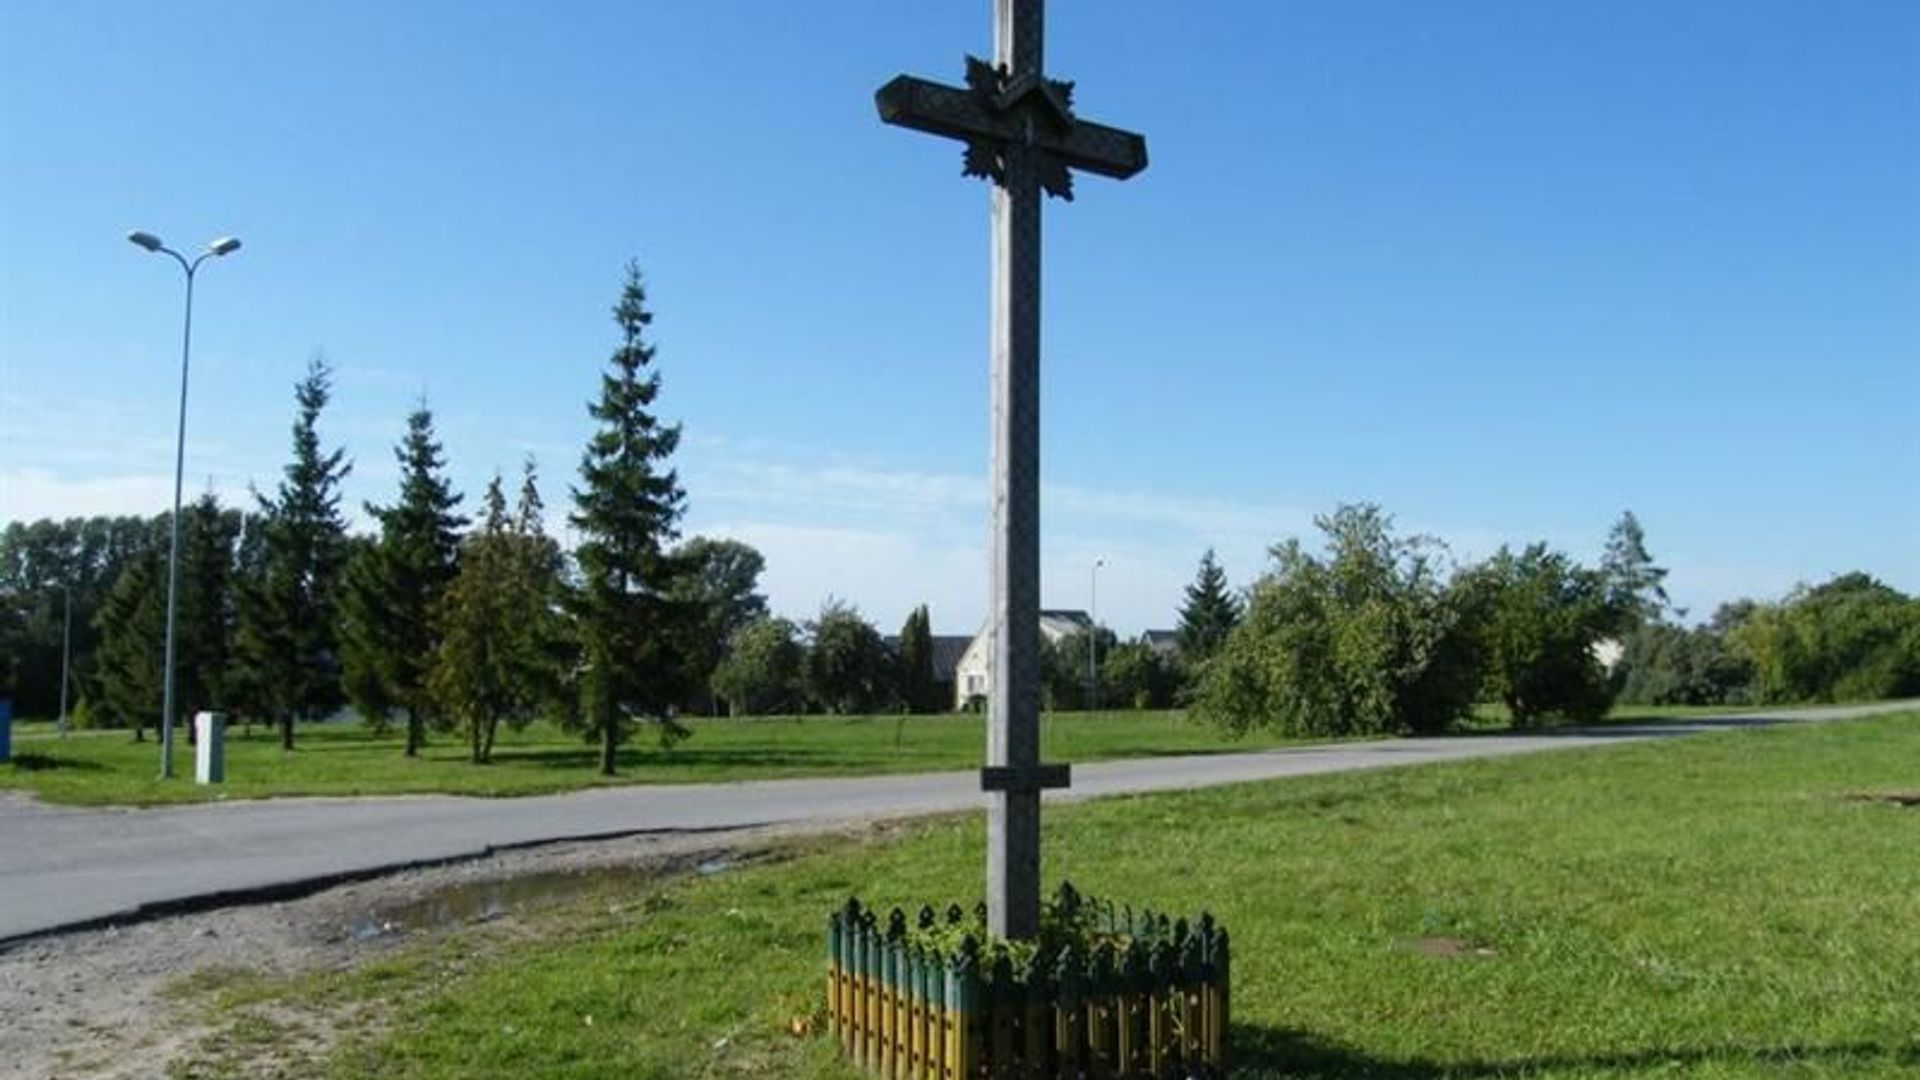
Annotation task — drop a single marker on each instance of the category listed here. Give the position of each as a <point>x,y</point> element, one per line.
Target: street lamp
<point>1093,633</point>
<point>225,245</point>
<point>66,658</point>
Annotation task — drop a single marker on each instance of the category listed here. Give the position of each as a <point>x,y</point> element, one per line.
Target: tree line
<point>435,623</point>
<point>440,624</point>
<point>1379,632</point>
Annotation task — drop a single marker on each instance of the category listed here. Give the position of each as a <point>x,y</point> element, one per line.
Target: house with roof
<point>1164,643</point>
<point>973,673</point>
<point>947,652</point>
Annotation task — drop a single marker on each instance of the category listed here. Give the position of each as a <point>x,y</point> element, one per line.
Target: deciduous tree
<point>764,670</point>
<point>1852,638</point>
<point>1538,617</point>
<point>1665,664</point>
<point>1135,676</point>
<point>501,652</point>
<point>720,584</point>
<point>848,669</point>
<point>1365,639</point>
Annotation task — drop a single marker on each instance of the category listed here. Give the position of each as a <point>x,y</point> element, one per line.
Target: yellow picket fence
<point>1146,998</point>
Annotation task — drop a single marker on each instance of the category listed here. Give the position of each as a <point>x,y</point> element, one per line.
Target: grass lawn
<point>343,758</point>
<point>1709,907</point>
<point>347,759</point>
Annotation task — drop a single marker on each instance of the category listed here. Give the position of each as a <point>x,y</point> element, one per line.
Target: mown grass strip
<point>108,768</point>
<point>1708,907</point>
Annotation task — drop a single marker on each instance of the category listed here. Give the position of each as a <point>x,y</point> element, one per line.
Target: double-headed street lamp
<point>225,245</point>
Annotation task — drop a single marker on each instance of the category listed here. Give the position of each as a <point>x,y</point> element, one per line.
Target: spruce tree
<point>916,662</point>
<point>287,646</point>
<point>242,689</point>
<point>132,627</point>
<point>631,628</point>
<point>1210,613</point>
<point>206,604</point>
<point>1634,585</point>
<point>387,629</point>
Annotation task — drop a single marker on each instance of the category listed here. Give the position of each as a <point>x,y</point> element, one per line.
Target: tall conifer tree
<point>132,626</point>
<point>387,628</point>
<point>626,509</point>
<point>206,629</point>
<point>288,653</point>
<point>1210,613</point>
<point>1635,587</point>
<point>916,661</point>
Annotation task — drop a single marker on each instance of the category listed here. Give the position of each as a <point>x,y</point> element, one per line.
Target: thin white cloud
<point>888,539</point>
<point>885,573</point>
<point>27,494</point>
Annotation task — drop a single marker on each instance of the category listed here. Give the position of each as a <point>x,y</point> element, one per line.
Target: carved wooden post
<point>1021,134</point>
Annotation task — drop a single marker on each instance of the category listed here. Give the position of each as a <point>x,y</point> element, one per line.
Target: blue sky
<point>1505,268</point>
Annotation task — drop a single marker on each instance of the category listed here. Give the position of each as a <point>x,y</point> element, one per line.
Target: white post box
<point>210,749</point>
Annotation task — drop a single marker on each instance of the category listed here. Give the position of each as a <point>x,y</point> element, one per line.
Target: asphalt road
<point>67,868</point>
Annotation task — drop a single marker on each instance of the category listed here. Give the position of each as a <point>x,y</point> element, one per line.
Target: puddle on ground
<point>467,902</point>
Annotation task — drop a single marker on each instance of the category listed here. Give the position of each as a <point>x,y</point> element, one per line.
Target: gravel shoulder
<point>133,1001</point>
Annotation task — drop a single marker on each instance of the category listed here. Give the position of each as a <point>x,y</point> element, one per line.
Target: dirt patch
<point>1450,947</point>
<point>1895,798</point>
<point>134,1001</point>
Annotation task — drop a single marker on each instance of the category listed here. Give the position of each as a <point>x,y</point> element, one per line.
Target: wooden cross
<point>1021,134</point>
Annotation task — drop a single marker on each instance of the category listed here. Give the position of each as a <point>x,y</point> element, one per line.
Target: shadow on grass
<point>1129,753</point>
<point>47,762</point>
<point>639,760</point>
<point>1626,727</point>
<point>1258,1051</point>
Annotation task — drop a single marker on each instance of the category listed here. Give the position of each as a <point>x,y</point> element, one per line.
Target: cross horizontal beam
<point>1033,778</point>
<point>959,113</point>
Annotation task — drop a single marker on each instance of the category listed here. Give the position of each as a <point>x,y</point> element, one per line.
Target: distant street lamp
<point>66,657</point>
<point>225,245</point>
<point>1093,634</point>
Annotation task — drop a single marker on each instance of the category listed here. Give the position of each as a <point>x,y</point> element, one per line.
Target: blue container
<point>6,729</point>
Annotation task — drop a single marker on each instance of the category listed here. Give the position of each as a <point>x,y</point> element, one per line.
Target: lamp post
<point>225,245</point>
<point>1093,634</point>
<point>66,657</point>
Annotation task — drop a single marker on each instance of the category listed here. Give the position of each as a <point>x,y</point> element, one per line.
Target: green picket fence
<point>1125,995</point>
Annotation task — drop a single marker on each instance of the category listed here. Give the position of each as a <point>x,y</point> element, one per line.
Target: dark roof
<point>947,651</point>
<point>1164,642</point>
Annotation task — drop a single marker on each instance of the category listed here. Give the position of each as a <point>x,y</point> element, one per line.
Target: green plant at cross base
<point>1074,929</point>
